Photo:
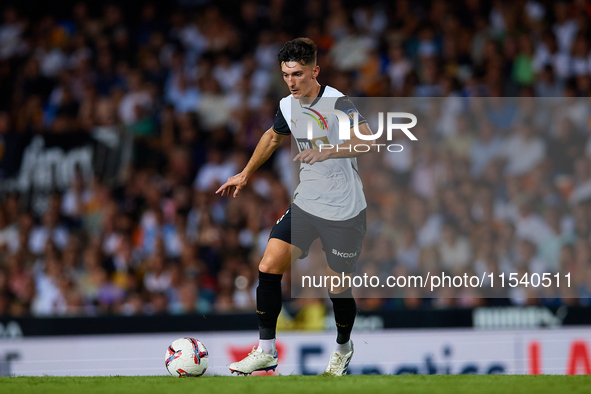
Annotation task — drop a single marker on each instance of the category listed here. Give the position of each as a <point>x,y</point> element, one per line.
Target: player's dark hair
<point>301,50</point>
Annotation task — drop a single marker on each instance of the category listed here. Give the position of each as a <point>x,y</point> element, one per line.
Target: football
<point>186,357</point>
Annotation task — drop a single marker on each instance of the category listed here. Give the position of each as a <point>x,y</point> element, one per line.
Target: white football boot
<point>255,361</point>
<point>339,363</point>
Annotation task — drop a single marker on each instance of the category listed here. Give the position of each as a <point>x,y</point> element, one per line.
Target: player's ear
<point>315,71</point>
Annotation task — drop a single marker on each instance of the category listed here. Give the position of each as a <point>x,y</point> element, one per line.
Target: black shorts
<point>341,239</point>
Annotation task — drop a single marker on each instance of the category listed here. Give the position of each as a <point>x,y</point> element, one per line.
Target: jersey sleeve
<point>346,105</point>
<point>280,125</point>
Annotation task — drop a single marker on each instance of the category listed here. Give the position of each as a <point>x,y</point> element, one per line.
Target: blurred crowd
<point>496,187</point>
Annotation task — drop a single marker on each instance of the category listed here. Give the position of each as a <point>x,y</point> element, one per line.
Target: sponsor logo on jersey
<point>343,254</point>
<point>314,143</point>
<point>304,143</point>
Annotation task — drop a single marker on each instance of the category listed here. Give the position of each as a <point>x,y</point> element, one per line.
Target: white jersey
<point>331,189</point>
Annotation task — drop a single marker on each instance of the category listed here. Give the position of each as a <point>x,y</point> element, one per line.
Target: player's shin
<point>268,309</point>
<point>345,310</point>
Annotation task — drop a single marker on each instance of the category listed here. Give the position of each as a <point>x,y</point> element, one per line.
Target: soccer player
<point>328,203</point>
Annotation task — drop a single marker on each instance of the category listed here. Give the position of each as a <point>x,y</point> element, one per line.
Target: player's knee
<point>269,267</point>
<point>273,264</point>
<point>341,292</point>
<point>277,257</point>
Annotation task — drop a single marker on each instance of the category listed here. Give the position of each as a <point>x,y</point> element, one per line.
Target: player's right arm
<point>264,149</point>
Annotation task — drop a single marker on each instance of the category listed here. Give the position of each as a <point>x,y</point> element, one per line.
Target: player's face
<point>300,79</point>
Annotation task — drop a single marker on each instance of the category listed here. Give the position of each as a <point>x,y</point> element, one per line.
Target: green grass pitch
<point>473,384</point>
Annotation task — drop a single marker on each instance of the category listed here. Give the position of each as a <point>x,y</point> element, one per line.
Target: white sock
<point>344,348</point>
<point>267,345</point>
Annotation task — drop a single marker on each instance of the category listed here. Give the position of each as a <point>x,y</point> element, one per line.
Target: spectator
<point>137,101</point>
<point>157,279</point>
<point>485,149</point>
<point>214,172</point>
<point>50,230</point>
<point>454,249</point>
<point>523,151</point>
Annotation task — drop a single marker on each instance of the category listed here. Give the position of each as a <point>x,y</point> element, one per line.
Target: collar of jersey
<point>320,93</point>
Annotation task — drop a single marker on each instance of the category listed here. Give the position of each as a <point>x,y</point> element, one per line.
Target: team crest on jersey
<point>320,120</point>
<point>351,113</point>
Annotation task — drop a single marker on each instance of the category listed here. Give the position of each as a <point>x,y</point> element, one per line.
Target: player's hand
<point>311,156</point>
<point>233,185</point>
